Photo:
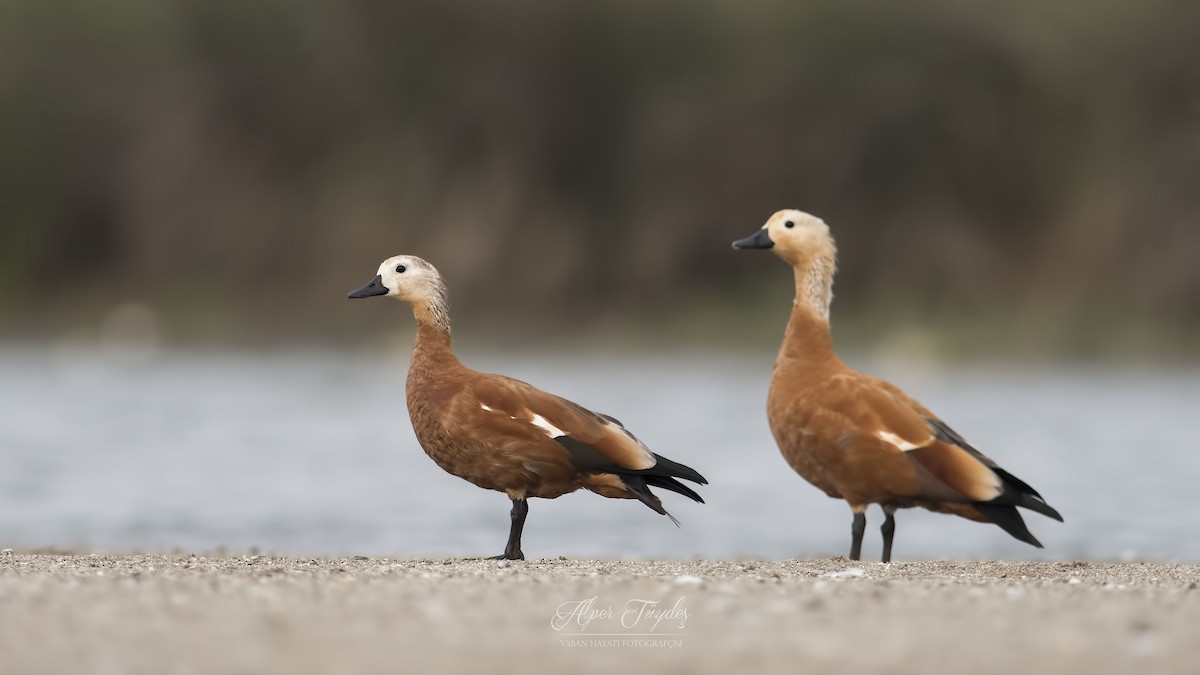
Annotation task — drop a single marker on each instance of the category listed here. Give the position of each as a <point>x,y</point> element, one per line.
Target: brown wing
<point>553,417</point>
<point>944,469</point>
<point>896,448</point>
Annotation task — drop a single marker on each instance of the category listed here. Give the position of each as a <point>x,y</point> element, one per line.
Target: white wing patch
<point>537,421</point>
<point>895,440</point>
<point>550,429</point>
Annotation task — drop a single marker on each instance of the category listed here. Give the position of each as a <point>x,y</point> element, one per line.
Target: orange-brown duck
<point>503,434</point>
<point>857,437</point>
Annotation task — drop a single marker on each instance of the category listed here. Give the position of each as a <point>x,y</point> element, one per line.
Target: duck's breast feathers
<point>539,414</point>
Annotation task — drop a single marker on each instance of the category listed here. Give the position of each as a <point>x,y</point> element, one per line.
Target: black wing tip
<point>1051,512</point>
<point>1037,505</point>
<point>669,467</point>
<point>1018,492</point>
<point>668,483</point>
<point>1009,519</point>
<point>1032,541</point>
<point>1027,538</point>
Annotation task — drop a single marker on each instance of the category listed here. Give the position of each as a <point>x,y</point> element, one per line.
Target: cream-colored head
<point>804,242</point>
<point>793,235</point>
<point>411,279</point>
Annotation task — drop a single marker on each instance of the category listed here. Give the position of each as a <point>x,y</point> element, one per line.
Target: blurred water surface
<point>309,452</point>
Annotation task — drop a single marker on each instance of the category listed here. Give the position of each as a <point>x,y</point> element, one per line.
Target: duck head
<point>793,235</point>
<point>404,277</point>
<point>804,242</point>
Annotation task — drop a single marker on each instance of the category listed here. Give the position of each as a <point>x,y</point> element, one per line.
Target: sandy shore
<point>258,614</point>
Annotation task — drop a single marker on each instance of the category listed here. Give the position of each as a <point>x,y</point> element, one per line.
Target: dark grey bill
<point>376,287</point>
<point>759,239</point>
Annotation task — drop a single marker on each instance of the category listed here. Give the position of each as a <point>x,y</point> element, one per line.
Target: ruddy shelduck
<point>503,434</point>
<point>857,437</point>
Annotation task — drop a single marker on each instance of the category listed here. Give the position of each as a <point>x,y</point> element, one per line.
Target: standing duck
<point>857,437</point>
<point>503,434</point>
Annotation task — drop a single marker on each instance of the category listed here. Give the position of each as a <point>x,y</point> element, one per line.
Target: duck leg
<point>856,534</point>
<point>889,530</point>
<point>512,551</point>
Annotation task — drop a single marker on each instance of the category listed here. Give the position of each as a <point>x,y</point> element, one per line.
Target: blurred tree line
<point>581,160</point>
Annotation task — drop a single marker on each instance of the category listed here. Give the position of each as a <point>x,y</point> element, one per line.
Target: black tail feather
<point>1018,493</point>
<point>663,475</point>
<point>637,481</point>
<point>1009,519</point>
<point>1036,504</point>
<point>668,483</point>
<point>638,488</point>
<point>1020,485</point>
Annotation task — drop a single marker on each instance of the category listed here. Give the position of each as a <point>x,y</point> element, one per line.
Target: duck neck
<point>433,340</point>
<point>807,339</point>
<point>434,344</point>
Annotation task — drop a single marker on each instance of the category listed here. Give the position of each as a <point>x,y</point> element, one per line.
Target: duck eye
<point>789,224</point>
<point>400,269</point>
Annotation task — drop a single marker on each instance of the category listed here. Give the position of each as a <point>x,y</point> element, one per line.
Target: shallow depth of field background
<point>188,189</point>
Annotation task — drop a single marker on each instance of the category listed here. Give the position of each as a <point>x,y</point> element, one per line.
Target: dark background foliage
<point>239,166</point>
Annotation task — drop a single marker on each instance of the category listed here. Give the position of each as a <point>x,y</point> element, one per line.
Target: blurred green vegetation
<point>241,165</point>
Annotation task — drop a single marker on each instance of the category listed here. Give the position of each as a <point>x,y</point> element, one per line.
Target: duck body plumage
<point>844,433</point>
<point>503,434</point>
<point>858,437</point>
